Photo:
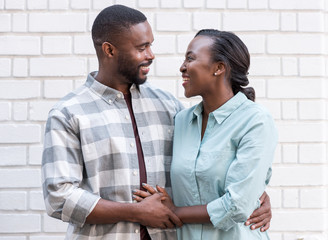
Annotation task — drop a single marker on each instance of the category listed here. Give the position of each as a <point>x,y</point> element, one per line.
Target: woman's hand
<point>261,217</point>
<point>139,195</point>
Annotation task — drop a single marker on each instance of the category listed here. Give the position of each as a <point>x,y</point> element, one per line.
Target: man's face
<point>134,53</point>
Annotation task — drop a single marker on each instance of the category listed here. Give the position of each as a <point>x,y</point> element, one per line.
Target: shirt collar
<point>107,93</point>
<point>224,111</point>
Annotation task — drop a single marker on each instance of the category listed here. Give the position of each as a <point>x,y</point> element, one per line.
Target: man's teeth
<point>144,68</point>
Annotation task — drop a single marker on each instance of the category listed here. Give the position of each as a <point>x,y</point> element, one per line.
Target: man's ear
<point>108,49</point>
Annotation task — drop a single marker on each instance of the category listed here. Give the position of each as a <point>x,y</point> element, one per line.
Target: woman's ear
<point>108,49</point>
<point>219,69</point>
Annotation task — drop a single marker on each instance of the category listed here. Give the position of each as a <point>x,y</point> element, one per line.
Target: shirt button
<point>131,145</point>
<point>135,173</point>
<point>169,131</point>
<point>110,101</point>
<point>136,231</point>
<point>119,95</point>
<point>126,117</point>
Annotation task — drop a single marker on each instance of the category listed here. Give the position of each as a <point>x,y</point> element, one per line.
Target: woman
<point>223,147</point>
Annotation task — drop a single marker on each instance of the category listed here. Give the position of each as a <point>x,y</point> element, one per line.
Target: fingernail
<point>134,191</point>
<point>253,227</point>
<point>134,197</point>
<point>247,223</point>
<point>144,184</point>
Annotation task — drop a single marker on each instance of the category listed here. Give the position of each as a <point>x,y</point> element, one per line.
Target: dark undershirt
<point>144,235</point>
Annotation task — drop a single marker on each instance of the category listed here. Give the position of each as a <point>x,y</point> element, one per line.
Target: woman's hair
<point>112,21</point>
<point>232,52</point>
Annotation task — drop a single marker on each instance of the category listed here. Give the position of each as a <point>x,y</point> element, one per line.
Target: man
<point>109,136</point>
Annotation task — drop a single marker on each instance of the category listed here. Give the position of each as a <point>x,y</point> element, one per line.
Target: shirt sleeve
<point>62,172</point>
<point>247,175</point>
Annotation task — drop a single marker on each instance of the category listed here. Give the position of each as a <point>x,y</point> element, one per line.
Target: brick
<point>237,4</point>
<point>2,4</point>
<point>148,3</point>
<point>84,45</point>
<point>57,45</point>
<point>297,220</point>
<point>275,236</point>
<point>168,66</point>
<point>19,45</point>
<point>288,22</point>
<point>312,110</point>
<point>193,3</point>
<point>215,4</point>
<point>309,201</point>
<point>291,198</point>
<point>301,132</point>
<point>37,5</point>
<point>128,3</point>
<point>19,89</point>
<point>170,3</point>
<point>20,178</point>
<point>15,4</point>
<point>12,237</point>
<point>35,154</point>
<point>294,43</point>
<point>12,156</point>
<point>58,66</point>
<point>265,66</point>
<point>13,200</point>
<point>101,4</point>
<point>289,66</point>
<point>275,195</point>
<point>20,67</point>
<point>308,175</point>
<point>310,22</point>
<point>313,153</point>
<point>28,223</point>
<point>254,43</point>
<point>169,85</point>
<point>278,154</point>
<point>297,4</point>
<point>312,66</point>
<point>5,20</point>
<point>289,109</point>
<point>93,65</point>
<point>36,201</point>
<point>164,44</point>
<point>20,111</point>
<point>259,87</point>
<point>53,225</point>
<point>57,22</point>
<point>57,88</point>
<point>290,153</point>
<point>20,133</point>
<point>80,4</point>
<point>58,4</point>
<point>5,108</point>
<point>258,4</point>
<point>39,110</point>
<point>203,20</point>
<point>183,41</point>
<point>174,21</point>
<point>47,237</point>
<point>20,22</point>
<point>5,66</point>
<point>301,88</point>
<point>250,21</point>
<point>273,107</point>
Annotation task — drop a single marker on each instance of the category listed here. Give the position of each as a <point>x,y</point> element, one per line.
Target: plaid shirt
<point>90,153</point>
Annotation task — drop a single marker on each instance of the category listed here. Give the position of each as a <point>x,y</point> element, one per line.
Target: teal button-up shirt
<point>228,169</point>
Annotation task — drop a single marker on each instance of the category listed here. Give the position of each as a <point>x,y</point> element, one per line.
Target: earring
<point>215,73</point>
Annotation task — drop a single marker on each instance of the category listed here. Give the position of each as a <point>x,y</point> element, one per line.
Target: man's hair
<point>112,21</point>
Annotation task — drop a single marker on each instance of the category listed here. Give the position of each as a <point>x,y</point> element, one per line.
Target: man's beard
<point>131,72</point>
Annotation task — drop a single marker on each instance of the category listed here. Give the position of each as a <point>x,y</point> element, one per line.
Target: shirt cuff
<point>78,206</point>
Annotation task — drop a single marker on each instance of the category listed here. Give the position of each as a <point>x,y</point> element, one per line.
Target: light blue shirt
<point>228,169</point>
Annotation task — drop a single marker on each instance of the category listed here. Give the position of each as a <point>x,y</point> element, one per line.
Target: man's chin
<point>140,81</point>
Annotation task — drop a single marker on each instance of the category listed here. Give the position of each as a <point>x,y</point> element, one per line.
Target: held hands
<point>156,208</point>
<point>261,217</point>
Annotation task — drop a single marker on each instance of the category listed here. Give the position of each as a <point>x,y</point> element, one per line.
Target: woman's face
<point>198,69</point>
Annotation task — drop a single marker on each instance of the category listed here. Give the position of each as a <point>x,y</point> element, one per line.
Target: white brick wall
<point>46,51</point>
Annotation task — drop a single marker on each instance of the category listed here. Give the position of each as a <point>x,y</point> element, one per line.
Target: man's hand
<point>154,214</point>
<point>261,217</point>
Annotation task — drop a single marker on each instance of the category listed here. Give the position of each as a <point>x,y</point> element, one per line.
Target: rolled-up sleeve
<point>62,171</point>
<point>247,175</point>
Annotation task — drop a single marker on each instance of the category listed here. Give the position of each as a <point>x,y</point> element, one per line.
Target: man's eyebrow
<point>145,44</point>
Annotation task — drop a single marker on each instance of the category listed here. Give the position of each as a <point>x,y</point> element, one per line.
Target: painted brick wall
<point>46,51</point>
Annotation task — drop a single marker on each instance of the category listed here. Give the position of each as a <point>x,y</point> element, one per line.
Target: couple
<point>114,133</point>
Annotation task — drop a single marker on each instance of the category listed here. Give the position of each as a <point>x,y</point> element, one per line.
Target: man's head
<point>122,38</point>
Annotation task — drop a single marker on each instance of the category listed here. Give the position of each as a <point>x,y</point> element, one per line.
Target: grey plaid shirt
<point>90,153</point>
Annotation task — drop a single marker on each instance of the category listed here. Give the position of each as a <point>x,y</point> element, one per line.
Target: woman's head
<point>228,49</point>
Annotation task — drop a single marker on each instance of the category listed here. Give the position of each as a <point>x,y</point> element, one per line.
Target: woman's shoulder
<point>256,111</point>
